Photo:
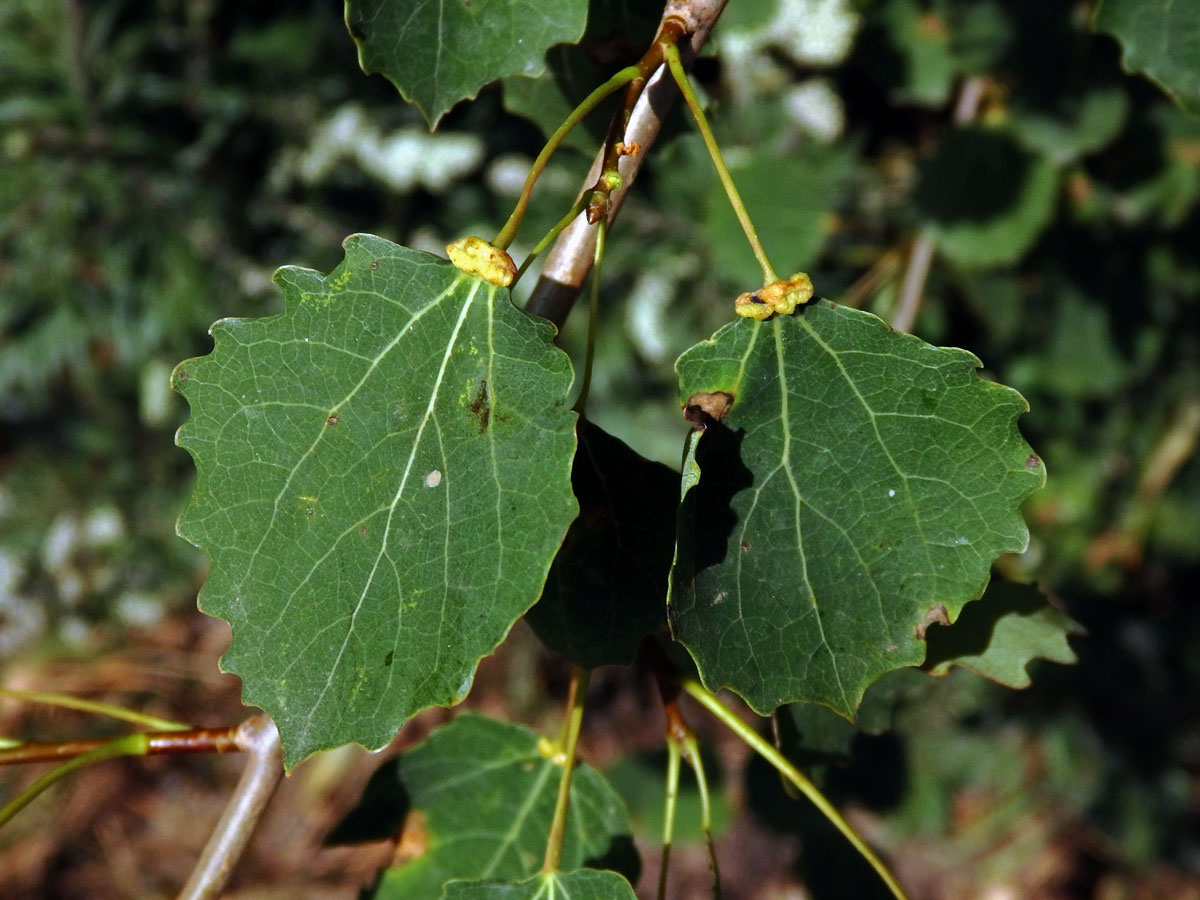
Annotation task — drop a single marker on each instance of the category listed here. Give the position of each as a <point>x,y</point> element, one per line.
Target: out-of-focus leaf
<point>984,198</point>
<point>479,798</point>
<point>440,53</point>
<point>858,490</point>
<point>810,733</point>
<point>1084,123</point>
<point>998,635</point>
<point>607,588</point>
<point>789,200</point>
<point>366,491</point>
<point>1159,39</point>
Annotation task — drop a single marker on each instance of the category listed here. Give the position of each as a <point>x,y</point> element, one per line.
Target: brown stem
<point>570,260</point>
<point>196,740</point>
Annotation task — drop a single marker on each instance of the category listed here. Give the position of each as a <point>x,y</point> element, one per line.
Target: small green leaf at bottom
<point>582,884</point>
<point>480,797</point>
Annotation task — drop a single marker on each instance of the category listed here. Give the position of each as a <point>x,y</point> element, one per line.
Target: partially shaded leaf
<point>998,635</point>
<point>482,797</point>
<point>1158,39</point>
<point>857,490</point>
<point>583,884</point>
<point>607,588</point>
<point>366,489</point>
<point>440,53</point>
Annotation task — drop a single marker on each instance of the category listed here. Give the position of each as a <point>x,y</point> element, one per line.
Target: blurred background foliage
<point>159,160</point>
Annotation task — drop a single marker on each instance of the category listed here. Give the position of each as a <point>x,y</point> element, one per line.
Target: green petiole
<point>671,55</point>
<point>590,102</point>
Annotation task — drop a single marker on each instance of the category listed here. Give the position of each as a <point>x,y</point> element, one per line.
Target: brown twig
<point>570,260</point>
<point>259,738</point>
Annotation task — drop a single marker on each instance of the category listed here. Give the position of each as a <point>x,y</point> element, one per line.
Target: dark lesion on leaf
<point>704,409</point>
<point>481,406</point>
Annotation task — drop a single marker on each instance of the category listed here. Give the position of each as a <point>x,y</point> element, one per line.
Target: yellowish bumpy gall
<point>777,297</point>
<point>475,256</point>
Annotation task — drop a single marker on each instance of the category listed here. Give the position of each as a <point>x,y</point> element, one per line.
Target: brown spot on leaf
<point>1033,462</point>
<point>704,409</point>
<point>363,530</point>
<point>332,420</point>
<point>745,546</point>
<point>183,376</point>
<point>375,264</point>
<point>414,839</point>
<point>481,407</point>
<point>935,616</point>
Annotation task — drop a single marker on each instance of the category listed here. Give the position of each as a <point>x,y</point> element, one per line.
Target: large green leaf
<point>607,588</point>
<point>583,884</point>
<point>1159,39</point>
<point>857,490</point>
<point>484,795</point>
<point>439,53</point>
<point>367,491</point>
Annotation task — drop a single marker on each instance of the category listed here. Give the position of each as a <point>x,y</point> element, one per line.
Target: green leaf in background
<point>583,884</point>
<point>789,198</point>
<point>1159,38</point>
<point>985,198</point>
<point>485,796</point>
<point>998,635</point>
<point>811,734</point>
<point>366,489</point>
<point>607,588</point>
<point>440,53</point>
<point>857,491</point>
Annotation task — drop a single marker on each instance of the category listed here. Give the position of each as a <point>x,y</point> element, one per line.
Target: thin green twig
<point>558,828</point>
<point>127,745</point>
<point>509,231</point>
<point>691,752</point>
<point>552,235</point>
<point>68,701</point>
<point>671,54</point>
<point>593,314</point>
<point>673,754</point>
<point>791,773</point>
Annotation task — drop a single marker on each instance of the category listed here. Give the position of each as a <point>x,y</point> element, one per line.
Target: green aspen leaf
<point>984,197</point>
<point>1159,38</point>
<point>608,585</point>
<point>1000,634</point>
<point>383,482</point>
<point>481,796</point>
<point>856,491</point>
<point>582,884</point>
<point>437,54</point>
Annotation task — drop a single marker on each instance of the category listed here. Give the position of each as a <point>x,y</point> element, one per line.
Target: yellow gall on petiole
<point>475,256</point>
<point>780,297</point>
